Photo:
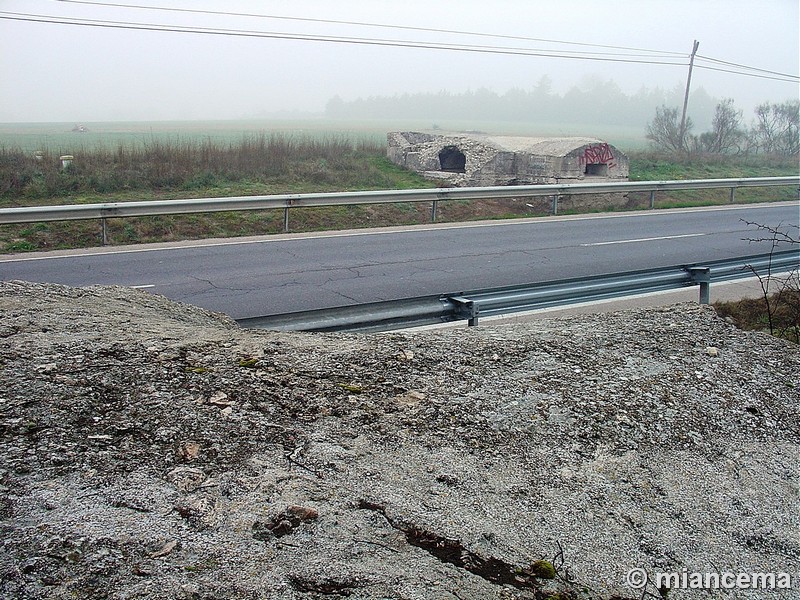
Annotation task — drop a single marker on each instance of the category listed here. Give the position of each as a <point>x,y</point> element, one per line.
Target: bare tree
<point>665,130</point>
<point>777,128</point>
<point>726,135</point>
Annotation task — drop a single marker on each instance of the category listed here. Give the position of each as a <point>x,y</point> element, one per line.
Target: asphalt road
<point>278,274</point>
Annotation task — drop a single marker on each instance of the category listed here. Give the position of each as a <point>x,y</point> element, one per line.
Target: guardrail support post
<point>104,227</point>
<point>555,204</point>
<point>286,220</point>
<point>434,208</point>
<point>652,198</point>
<point>702,276</point>
<point>733,194</point>
<point>466,309</point>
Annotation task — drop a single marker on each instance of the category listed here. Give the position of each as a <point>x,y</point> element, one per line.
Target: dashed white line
<point>650,239</point>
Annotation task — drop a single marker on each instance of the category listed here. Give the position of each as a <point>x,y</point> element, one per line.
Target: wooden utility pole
<point>686,96</point>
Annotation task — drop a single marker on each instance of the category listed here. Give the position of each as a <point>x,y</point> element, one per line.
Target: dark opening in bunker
<point>452,160</point>
<point>596,169</point>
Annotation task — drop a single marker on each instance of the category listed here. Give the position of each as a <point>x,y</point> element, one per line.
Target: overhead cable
<point>732,64</point>
<point>320,38</point>
<point>794,79</point>
<point>366,24</point>
<point>736,69</point>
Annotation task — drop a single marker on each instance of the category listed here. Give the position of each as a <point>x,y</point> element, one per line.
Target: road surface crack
<point>223,288</point>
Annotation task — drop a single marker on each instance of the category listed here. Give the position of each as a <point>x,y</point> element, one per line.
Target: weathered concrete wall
<point>508,160</point>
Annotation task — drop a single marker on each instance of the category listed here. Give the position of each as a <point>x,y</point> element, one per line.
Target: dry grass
<point>778,314</point>
<point>187,166</point>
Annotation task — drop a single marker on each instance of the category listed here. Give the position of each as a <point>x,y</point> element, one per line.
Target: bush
<point>777,311</point>
<point>753,314</point>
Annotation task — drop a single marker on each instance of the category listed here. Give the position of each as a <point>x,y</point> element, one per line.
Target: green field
<point>59,137</point>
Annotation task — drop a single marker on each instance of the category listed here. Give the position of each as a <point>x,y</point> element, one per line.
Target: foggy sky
<point>56,72</point>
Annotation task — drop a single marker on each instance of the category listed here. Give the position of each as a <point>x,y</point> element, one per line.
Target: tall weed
<point>184,165</point>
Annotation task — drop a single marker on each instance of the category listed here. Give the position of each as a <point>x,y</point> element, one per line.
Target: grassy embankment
<point>264,164</point>
<point>652,167</point>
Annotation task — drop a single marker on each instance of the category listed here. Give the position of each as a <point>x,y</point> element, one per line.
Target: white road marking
<point>650,239</point>
<point>143,287</point>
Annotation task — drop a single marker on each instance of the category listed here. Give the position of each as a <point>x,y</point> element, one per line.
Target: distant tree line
<point>774,130</point>
<point>594,101</point>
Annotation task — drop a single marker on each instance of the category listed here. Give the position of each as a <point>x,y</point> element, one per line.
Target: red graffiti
<point>597,155</point>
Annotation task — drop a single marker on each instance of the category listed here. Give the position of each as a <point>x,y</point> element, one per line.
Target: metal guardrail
<point>36,214</point>
<point>470,306</point>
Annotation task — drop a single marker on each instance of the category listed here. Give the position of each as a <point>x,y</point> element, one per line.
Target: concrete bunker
<point>461,159</point>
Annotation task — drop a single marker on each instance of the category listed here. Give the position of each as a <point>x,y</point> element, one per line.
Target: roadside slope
<point>155,450</point>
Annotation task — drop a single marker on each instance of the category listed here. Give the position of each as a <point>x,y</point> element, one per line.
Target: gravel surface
<point>152,449</point>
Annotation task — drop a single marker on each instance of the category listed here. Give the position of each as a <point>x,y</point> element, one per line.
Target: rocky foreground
<point>154,450</point>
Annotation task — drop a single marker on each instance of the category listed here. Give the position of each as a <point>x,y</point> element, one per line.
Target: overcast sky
<point>59,72</point>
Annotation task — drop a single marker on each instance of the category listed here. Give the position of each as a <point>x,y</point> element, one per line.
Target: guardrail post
<point>286,220</point>
<point>555,204</point>
<point>733,194</point>
<point>652,198</point>
<point>104,228</point>
<point>702,276</point>
<point>434,208</point>
<point>466,309</point>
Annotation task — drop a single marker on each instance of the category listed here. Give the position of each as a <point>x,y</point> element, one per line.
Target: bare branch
<point>775,233</point>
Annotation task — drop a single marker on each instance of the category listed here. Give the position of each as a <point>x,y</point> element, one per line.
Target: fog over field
<point>89,61</point>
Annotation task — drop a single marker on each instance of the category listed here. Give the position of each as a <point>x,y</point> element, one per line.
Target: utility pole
<point>686,96</point>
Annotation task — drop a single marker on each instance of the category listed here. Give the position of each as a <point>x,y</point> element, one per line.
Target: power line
<point>732,64</point>
<point>707,68</point>
<point>366,24</point>
<point>502,50</point>
<point>317,38</point>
